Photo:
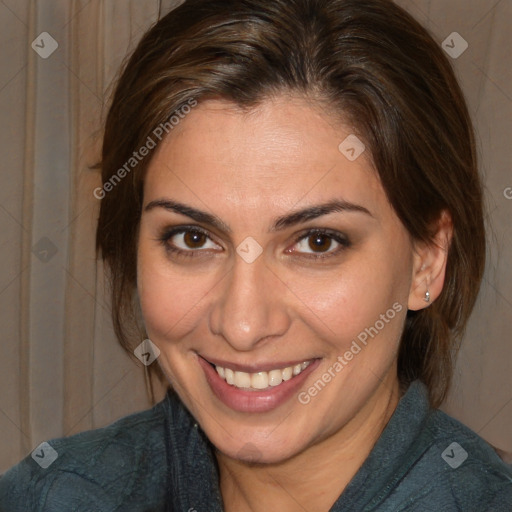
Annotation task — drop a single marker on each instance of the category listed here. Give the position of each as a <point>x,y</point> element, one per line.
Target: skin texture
<point>247,169</point>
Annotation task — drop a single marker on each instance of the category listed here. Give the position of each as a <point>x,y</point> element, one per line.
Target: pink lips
<point>254,401</point>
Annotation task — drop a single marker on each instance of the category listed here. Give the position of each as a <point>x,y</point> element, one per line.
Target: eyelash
<point>168,234</point>
<point>342,240</point>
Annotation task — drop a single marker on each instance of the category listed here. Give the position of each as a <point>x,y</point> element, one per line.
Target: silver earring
<point>427,296</point>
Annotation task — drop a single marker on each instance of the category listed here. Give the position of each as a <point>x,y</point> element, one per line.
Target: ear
<point>429,264</point>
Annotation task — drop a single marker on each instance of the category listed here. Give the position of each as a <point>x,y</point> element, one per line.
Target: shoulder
<point>450,467</point>
<point>427,460</point>
<point>465,467</point>
<point>97,470</point>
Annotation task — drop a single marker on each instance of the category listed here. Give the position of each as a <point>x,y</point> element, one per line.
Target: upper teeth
<point>260,380</point>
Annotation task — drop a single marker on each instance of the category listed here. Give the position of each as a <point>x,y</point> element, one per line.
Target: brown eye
<point>194,239</point>
<point>319,242</point>
<point>187,241</point>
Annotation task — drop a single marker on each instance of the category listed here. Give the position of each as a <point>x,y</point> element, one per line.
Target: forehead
<point>284,152</point>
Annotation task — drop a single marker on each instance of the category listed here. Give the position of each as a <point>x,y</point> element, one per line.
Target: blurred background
<point>61,369</point>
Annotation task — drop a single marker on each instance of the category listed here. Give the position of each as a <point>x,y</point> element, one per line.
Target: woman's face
<point>263,246</point>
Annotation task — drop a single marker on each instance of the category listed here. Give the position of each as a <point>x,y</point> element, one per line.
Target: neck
<point>314,478</point>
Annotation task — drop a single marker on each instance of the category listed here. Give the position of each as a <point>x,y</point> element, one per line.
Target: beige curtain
<point>61,370</point>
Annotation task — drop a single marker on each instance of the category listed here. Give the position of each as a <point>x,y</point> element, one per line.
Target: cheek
<point>364,298</point>
<point>169,301</point>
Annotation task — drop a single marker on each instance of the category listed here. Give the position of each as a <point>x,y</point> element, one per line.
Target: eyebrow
<point>283,222</point>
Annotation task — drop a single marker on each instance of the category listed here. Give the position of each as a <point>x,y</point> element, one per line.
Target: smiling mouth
<point>260,380</point>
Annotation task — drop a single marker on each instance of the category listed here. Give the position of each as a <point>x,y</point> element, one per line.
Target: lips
<point>236,386</point>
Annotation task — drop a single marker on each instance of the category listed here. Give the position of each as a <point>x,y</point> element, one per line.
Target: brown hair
<point>375,66</point>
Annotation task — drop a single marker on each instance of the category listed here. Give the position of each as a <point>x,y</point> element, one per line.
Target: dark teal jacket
<point>159,460</point>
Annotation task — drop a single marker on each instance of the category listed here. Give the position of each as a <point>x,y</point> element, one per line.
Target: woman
<point>291,212</point>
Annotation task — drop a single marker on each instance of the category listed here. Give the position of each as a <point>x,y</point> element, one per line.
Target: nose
<point>250,306</point>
